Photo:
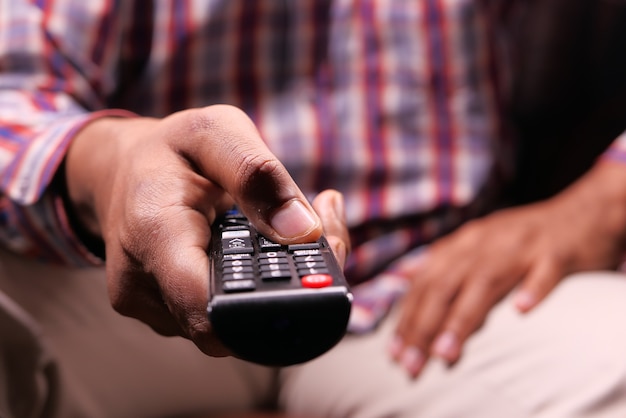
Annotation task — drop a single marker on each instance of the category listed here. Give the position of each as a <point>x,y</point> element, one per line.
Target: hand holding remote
<point>151,188</point>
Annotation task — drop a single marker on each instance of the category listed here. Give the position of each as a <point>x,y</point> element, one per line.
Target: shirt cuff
<point>32,170</point>
<point>617,150</point>
<point>37,222</point>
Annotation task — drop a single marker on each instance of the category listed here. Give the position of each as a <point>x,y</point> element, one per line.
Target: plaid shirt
<point>392,102</point>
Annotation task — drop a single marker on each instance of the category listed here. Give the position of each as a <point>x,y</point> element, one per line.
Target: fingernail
<point>446,346</point>
<point>293,220</point>
<point>413,360</point>
<point>524,300</point>
<point>395,347</point>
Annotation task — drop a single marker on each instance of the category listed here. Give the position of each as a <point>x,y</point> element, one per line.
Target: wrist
<point>89,168</point>
<point>605,189</point>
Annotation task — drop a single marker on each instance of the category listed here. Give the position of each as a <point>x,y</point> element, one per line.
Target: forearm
<point>602,199</point>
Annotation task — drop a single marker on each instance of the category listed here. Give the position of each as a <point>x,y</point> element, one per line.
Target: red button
<point>317,281</point>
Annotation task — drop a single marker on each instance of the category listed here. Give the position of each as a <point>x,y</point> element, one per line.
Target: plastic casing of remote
<point>283,324</point>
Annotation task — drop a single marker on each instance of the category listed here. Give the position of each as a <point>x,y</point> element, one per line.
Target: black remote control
<point>272,304</point>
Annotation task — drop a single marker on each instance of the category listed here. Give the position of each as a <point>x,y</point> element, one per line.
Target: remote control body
<point>271,304</point>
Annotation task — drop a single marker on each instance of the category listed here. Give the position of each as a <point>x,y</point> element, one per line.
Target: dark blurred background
<point>569,95</point>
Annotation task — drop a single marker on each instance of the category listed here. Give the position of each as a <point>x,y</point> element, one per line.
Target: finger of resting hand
<point>424,310</point>
<point>466,315</point>
<point>541,279</point>
<point>409,346</point>
<point>434,284</point>
<point>426,318</point>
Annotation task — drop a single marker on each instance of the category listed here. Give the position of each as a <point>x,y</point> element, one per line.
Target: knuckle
<point>215,118</point>
<point>423,336</point>
<point>201,121</point>
<point>442,290</point>
<point>252,165</point>
<point>485,284</point>
<point>464,322</point>
<point>197,328</point>
<point>256,172</point>
<point>194,127</point>
<point>555,259</point>
<point>119,302</point>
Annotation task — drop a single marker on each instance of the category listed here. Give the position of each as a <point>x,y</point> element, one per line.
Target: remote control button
<point>273,254</point>
<point>243,250</point>
<point>312,270</point>
<point>267,245</point>
<point>271,267</point>
<point>238,269</point>
<point>308,258</point>
<point>236,233</point>
<point>237,246</point>
<point>306,246</point>
<point>235,228</point>
<point>243,275</point>
<point>301,253</point>
<point>275,260</point>
<point>246,257</point>
<point>275,274</point>
<point>312,263</point>
<point>237,263</point>
<point>238,286</point>
<point>317,281</point>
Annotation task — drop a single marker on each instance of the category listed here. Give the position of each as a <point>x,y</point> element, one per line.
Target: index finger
<point>225,146</point>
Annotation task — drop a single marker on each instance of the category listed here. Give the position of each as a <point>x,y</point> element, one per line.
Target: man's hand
<point>458,280</point>
<point>151,189</point>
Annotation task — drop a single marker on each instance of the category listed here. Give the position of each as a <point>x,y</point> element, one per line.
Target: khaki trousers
<point>65,353</point>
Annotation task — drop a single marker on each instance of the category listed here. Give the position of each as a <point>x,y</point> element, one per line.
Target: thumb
<point>330,207</point>
<point>227,149</point>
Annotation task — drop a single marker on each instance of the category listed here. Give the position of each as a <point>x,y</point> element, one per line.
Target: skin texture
<point>527,249</point>
<point>150,188</point>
